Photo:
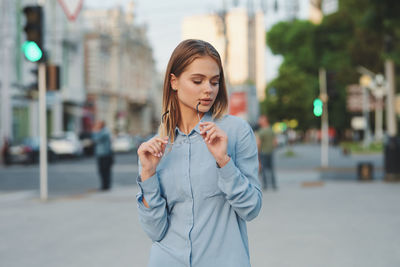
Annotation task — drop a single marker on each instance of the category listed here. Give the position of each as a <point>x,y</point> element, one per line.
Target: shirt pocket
<point>208,177</point>
<point>172,186</point>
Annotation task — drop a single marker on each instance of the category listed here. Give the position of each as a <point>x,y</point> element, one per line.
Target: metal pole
<point>390,113</point>
<point>43,131</point>
<point>367,133</point>
<point>378,119</point>
<point>324,119</point>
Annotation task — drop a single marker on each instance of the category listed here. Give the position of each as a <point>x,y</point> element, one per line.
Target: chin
<point>204,109</point>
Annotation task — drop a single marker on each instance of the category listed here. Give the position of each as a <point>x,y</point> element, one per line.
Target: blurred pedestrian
<point>266,141</point>
<point>198,177</point>
<point>104,154</point>
<point>5,152</point>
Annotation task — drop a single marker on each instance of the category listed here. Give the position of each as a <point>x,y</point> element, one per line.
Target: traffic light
<point>318,104</point>
<point>33,47</point>
<point>32,51</point>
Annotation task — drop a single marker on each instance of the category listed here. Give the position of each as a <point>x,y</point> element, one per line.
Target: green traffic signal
<point>32,51</point>
<point>318,107</point>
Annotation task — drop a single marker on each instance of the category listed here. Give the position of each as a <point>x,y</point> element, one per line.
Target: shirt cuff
<point>150,185</point>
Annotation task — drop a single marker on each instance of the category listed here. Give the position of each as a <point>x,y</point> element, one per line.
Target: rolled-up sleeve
<point>154,219</point>
<point>238,179</point>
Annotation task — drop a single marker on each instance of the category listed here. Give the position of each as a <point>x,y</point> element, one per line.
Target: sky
<point>163,20</point>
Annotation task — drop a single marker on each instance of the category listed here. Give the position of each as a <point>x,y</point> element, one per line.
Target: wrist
<point>146,174</point>
<point>221,162</point>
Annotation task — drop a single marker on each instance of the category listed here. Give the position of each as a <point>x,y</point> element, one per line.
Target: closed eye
<point>215,83</point>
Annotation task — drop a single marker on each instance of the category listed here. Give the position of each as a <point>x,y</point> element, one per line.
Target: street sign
<point>354,99</point>
<point>329,6</point>
<point>358,123</point>
<point>238,104</point>
<point>71,8</point>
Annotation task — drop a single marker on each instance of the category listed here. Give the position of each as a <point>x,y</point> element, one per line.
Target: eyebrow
<point>202,75</point>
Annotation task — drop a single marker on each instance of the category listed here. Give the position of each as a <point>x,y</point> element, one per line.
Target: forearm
<point>244,196</point>
<point>153,214</point>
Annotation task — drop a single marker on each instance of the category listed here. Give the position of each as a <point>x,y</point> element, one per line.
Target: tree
<point>351,37</point>
<point>286,101</point>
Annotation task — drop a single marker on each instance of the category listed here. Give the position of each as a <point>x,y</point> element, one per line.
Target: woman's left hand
<point>216,141</point>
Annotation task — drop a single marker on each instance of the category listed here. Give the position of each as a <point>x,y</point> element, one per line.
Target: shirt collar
<point>207,117</point>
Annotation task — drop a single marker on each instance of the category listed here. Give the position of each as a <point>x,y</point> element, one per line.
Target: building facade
<point>120,71</point>
<point>239,37</point>
<point>63,47</point>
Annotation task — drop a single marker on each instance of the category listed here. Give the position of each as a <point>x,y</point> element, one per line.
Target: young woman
<point>198,178</point>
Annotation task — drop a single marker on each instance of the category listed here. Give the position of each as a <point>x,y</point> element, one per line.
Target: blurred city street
<point>84,83</point>
<point>308,221</point>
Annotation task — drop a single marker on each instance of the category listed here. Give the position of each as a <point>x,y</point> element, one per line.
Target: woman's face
<point>198,83</point>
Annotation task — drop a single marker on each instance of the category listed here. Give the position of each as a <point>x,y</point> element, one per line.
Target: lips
<point>205,101</point>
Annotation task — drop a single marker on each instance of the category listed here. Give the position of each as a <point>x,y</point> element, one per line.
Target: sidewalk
<point>322,224</point>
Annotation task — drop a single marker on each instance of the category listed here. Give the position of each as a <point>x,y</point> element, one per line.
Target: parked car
<point>122,143</point>
<point>28,151</point>
<point>88,143</point>
<point>66,144</point>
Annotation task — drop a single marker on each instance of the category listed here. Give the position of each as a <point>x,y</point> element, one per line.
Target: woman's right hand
<point>150,154</point>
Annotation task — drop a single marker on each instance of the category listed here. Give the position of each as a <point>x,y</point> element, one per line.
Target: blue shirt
<point>102,139</point>
<point>197,212</point>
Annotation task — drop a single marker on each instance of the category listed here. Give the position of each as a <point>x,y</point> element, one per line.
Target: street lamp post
<point>378,86</point>
<point>324,119</point>
<point>365,82</point>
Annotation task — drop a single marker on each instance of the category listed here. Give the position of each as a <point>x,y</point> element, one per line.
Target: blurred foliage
<point>358,148</point>
<point>354,36</point>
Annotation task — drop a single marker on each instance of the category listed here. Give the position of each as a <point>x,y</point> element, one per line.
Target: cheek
<point>187,94</point>
<point>189,90</point>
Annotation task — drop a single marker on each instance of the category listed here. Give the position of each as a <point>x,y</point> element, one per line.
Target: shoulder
<point>234,126</point>
<point>233,122</point>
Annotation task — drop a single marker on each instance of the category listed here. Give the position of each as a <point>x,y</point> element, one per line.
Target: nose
<point>208,88</point>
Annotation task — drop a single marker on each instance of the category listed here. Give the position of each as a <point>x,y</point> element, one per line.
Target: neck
<point>189,120</point>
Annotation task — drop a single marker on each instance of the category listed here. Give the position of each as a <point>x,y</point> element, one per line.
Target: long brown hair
<point>183,55</point>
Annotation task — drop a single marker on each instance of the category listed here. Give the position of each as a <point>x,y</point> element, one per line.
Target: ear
<point>174,82</point>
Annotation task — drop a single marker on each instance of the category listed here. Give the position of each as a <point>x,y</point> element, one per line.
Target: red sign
<point>71,8</point>
<point>238,104</point>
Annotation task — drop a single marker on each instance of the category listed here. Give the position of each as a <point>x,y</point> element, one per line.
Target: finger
<point>156,149</point>
<point>161,148</point>
<point>208,134</point>
<point>212,137</point>
<point>206,124</point>
<point>163,140</point>
<point>156,143</point>
<point>149,149</point>
<point>206,128</point>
